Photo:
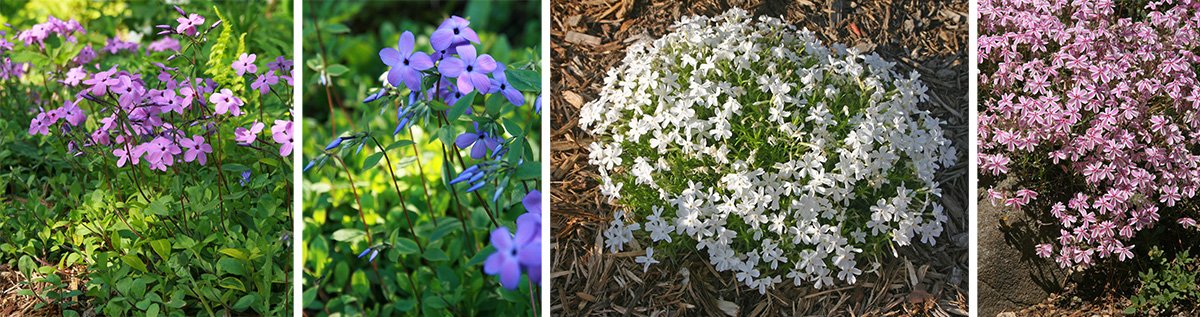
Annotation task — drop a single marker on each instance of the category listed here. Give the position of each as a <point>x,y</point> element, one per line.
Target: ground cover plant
<point>154,160</point>
<point>781,158</point>
<point>422,172</point>
<point>590,39</point>
<point>1091,108</point>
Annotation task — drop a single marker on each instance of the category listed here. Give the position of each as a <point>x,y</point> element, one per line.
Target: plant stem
<point>397,188</point>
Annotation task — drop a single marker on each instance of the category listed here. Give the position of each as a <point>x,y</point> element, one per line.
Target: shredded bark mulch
<point>590,36</point>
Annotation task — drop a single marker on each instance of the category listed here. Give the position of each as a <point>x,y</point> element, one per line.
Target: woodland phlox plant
<point>1112,101</point>
<point>155,117</point>
<point>779,157</point>
<point>437,90</point>
<point>165,147</point>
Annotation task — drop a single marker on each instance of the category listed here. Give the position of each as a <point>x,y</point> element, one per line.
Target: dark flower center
<point>469,68</point>
<point>455,31</point>
<point>503,86</point>
<point>405,62</point>
<point>514,253</point>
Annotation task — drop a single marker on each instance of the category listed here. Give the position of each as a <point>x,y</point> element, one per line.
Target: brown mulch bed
<point>589,36</point>
<point>13,281</point>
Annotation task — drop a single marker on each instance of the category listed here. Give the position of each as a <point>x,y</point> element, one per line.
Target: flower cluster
<point>780,156</point>
<point>522,252</point>
<point>1110,100</point>
<point>143,118</point>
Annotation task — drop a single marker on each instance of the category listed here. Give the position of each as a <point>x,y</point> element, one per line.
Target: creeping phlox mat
<point>778,157</point>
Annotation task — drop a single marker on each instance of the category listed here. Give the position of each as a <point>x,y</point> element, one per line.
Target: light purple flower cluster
<point>38,33</point>
<point>154,121</point>
<point>455,57</point>
<point>1113,101</point>
<point>520,253</point>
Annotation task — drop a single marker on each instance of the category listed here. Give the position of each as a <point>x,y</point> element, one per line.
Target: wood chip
<point>580,38</point>
<point>586,296</point>
<point>573,98</point>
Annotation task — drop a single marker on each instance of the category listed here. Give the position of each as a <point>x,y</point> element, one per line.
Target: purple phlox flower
<point>195,149</point>
<point>438,55</point>
<point>533,201</point>
<point>499,83</point>
<point>247,136</point>
<point>244,64</point>
<point>123,156</point>
<point>161,152</point>
<point>506,260</point>
<point>281,132</point>
<point>406,64</point>
<point>39,126</point>
<point>537,103</point>
<point>245,177</point>
<point>163,44</point>
<point>264,82</point>
<point>101,81</point>
<point>470,71</point>
<point>281,64</point>
<point>453,32</point>
<point>479,142</point>
<point>529,236</point>
<point>224,101</point>
<point>187,25</point>
<point>74,76</point>
<point>71,111</point>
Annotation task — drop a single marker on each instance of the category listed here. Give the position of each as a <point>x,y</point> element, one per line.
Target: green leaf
<point>446,134</point>
<point>158,207</point>
<point>232,266</point>
<point>524,80</point>
<point>528,170</point>
<point>372,160</point>
<point>234,167</point>
<point>153,310</point>
<point>245,301</point>
<point>515,151</point>
<point>233,283</point>
<point>236,253</point>
<point>398,144</point>
<point>435,254</point>
<point>445,227</point>
<point>336,69</point>
<point>513,128</point>
<point>358,281</point>
<point>135,262</point>
<point>348,235</point>
<point>406,246</point>
<point>460,106</point>
<point>434,302</point>
<point>481,256</point>
<point>494,104</point>
<point>162,247</point>
<point>336,28</point>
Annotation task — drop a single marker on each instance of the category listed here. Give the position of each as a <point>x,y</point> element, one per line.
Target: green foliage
<point>1167,283</point>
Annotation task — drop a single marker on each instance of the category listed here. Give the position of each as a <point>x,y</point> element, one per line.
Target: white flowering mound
<point>778,156</point>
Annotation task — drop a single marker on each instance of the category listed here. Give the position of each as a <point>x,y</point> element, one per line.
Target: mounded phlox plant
<point>775,155</point>
<point>1110,100</point>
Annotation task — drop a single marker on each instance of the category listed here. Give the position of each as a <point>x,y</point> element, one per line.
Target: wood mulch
<point>590,36</point>
<point>13,281</point>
